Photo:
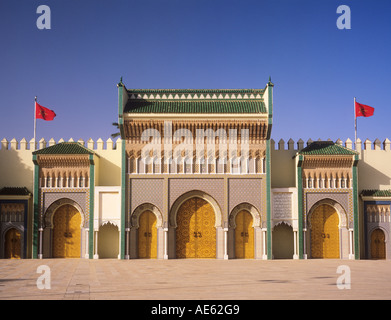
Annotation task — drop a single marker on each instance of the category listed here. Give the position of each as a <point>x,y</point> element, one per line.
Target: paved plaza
<point>193,279</point>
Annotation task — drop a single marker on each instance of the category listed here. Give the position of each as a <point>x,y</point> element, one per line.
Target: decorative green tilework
<point>65,148</point>
<point>326,148</point>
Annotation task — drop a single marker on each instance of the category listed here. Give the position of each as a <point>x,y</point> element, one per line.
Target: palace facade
<point>195,174</point>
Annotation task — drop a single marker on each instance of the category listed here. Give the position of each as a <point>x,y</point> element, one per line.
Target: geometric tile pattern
<point>146,191</point>
<point>213,187</point>
<point>80,195</point>
<point>246,191</point>
<point>343,196</point>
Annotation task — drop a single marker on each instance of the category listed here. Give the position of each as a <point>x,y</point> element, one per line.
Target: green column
<point>123,198</point>
<point>91,222</point>
<point>355,210</point>
<point>268,201</point>
<point>122,99</point>
<point>269,88</point>
<point>300,207</point>
<point>35,208</point>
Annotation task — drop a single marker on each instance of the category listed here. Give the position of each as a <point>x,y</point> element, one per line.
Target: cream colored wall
<point>108,203</point>
<point>374,166</point>
<point>283,168</point>
<point>16,165</point>
<point>109,163</point>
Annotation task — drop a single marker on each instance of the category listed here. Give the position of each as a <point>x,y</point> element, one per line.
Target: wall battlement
<point>23,144</point>
<point>300,144</point>
<point>110,144</point>
<point>16,160</point>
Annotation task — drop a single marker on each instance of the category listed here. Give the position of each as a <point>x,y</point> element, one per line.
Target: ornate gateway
<point>196,233</point>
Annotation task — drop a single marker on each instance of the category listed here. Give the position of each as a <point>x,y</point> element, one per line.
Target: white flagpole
<point>35,122</point>
<point>355,125</point>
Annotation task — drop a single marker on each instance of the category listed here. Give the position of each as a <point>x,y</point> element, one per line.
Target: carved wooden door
<point>325,233</point>
<point>66,233</point>
<point>147,236</point>
<point>12,244</point>
<point>244,236</point>
<point>196,232</point>
<point>378,244</point>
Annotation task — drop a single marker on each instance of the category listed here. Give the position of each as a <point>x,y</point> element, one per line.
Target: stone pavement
<point>193,279</point>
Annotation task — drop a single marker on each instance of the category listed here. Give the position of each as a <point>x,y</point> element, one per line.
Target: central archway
<point>196,232</point>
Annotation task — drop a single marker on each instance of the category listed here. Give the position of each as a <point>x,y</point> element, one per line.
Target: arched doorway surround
<point>327,233</point>
<point>146,239</point>
<point>259,233</point>
<point>46,236</point>
<point>208,208</point>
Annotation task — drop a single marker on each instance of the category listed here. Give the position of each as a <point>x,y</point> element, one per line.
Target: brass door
<point>66,233</point>
<point>147,236</point>
<point>12,244</point>
<point>244,236</point>
<point>196,232</point>
<point>378,244</point>
<point>325,233</point>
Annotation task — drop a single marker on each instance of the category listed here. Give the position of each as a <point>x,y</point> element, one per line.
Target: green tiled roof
<point>195,91</point>
<point>376,193</point>
<point>195,101</point>
<point>202,106</point>
<point>326,148</point>
<point>14,191</point>
<point>65,148</point>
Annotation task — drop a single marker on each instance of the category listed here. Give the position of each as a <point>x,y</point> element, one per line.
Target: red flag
<point>364,111</point>
<point>43,113</point>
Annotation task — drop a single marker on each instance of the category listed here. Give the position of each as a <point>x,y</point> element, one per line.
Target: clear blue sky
<point>317,69</point>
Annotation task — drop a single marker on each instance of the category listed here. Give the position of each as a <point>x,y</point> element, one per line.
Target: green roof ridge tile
<point>196,90</point>
<point>65,148</point>
<point>14,191</point>
<point>195,106</point>
<point>376,193</point>
<point>326,148</point>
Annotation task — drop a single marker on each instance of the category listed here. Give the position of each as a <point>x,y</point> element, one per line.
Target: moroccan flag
<point>43,113</point>
<point>363,111</point>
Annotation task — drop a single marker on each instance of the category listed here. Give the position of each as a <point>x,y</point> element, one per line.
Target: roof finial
<point>120,84</point>
<point>270,83</point>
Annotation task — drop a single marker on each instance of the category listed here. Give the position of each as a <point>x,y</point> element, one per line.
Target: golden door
<point>66,233</point>
<point>378,244</point>
<point>12,244</point>
<point>196,232</point>
<point>325,233</point>
<point>147,236</point>
<point>244,236</point>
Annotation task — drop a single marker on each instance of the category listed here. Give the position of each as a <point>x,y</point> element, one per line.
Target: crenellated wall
<point>374,166</point>
<point>16,165</point>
